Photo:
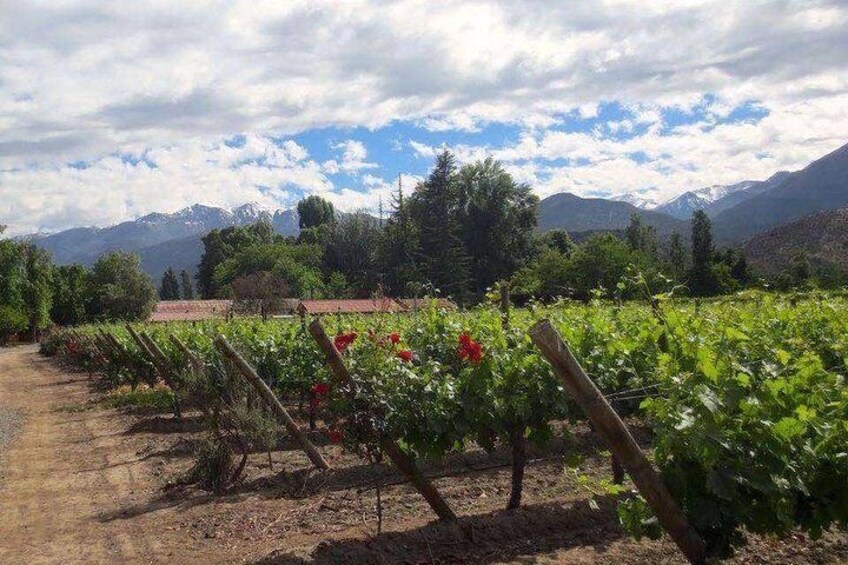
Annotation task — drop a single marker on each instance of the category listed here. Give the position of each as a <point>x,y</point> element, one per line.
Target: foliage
<point>497,217</point>
<point>186,288</point>
<point>315,211</point>
<point>169,288</point>
<point>119,289</point>
<point>69,295</point>
<point>435,207</point>
<point>221,245</point>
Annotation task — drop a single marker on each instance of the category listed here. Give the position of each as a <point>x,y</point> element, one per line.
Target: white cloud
<point>83,80</point>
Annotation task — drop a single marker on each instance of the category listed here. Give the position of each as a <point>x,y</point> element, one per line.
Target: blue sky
<point>109,112</point>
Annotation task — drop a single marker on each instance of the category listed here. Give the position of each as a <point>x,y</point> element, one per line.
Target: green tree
<point>558,240</point>
<point>297,264</point>
<point>38,287</point>
<point>315,211</point>
<point>677,258</point>
<point>186,288</point>
<point>119,289</point>
<point>640,236</point>
<point>702,279</point>
<point>352,252</point>
<point>69,295</point>
<point>497,217</point>
<point>398,248</point>
<point>169,289</point>
<point>435,207</point>
<point>220,245</point>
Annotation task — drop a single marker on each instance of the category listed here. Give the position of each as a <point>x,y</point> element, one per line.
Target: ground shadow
<point>166,425</point>
<point>484,538</point>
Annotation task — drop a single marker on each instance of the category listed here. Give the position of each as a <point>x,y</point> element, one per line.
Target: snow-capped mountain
<point>636,199</point>
<point>169,239</point>
<point>717,198</point>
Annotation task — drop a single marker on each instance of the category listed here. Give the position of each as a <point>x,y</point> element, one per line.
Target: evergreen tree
<point>677,257</point>
<point>185,286</point>
<point>640,236</point>
<point>352,251</point>
<point>434,207</point>
<point>398,249</point>
<point>170,286</point>
<point>702,279</point>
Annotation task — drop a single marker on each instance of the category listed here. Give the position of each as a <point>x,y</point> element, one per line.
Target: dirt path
<point>61,472</point>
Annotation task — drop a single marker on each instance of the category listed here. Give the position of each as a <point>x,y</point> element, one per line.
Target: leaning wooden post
<point>610,427</point>
<point>399,458</point>
<point>163,363</point>
<point>148,354</point>
<point>194,360</point>
<point>273,402</point>
<point>163,367</point>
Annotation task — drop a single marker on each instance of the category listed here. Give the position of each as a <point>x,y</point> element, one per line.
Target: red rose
<point>405,355</point>
<point>342,341</point>
<point>469,349</point>
<point>336,436</point>
<point>320,389</point>
<point>394,338</point>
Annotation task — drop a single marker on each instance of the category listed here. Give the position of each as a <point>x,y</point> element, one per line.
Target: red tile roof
<point>190,310</point>
<point>364,306</point>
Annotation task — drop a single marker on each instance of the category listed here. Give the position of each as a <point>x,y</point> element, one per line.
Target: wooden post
<point>162,371</point>
<point>141,345</point>
<point>194,360</point>
<point>399,458</point>
<point>273,402</point>
<point>610,427</point>
<point>163,366</point>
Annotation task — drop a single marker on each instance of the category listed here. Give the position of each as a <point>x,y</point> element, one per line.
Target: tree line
<point>35,293</point>
<point>460,231</point>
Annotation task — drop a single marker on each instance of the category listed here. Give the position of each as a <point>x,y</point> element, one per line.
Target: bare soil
<point>89,484</point>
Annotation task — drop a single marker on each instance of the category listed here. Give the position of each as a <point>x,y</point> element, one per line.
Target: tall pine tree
<point>702,279</point>
<point>398,249</point>
<point>170,287</point>
<point>185,286</point>
<point>435,208</point>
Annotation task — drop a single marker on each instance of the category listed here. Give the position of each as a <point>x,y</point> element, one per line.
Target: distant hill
<point>822,185</point>
<point>161,240</point>
<point>574,214</point>
<point>716,199</point>
<point>822,237</point>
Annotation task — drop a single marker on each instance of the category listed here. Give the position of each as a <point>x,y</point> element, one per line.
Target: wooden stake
<point>404,463</point>
<point>610,427</point>
<point>272,401</point>
<point>194,360</point>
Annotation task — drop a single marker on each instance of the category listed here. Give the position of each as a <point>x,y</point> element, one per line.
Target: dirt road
<point>62,471</point>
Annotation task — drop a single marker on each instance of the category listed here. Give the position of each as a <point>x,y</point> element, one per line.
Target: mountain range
<point>739,212</point>
<point>160,240</point>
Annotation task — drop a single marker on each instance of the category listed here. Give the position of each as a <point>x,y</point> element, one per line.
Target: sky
<point>111,110</point>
